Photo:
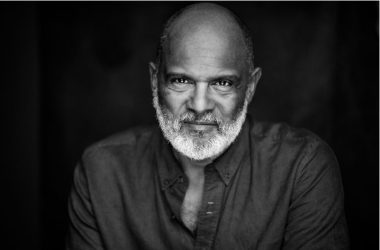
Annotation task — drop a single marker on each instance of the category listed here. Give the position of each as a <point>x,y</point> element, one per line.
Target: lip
<point>201,123</point>
<point>204,127</point>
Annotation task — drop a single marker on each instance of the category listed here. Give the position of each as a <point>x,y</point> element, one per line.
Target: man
<point>208,178</point>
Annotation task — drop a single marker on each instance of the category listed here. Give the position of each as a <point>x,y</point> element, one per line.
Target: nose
<point>200,101</point>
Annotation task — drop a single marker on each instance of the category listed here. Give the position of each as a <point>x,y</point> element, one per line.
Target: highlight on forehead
<point>204,15</point>
<point>201,18</point>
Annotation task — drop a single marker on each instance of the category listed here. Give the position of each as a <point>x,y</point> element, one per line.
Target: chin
<point>199,149</point>
<point>198,135</point>
<point>197,144</point>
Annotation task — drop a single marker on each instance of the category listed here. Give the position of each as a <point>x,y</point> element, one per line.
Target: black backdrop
<point>73,73</point>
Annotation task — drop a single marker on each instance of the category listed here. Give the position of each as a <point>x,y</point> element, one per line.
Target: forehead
<point>206,49</point>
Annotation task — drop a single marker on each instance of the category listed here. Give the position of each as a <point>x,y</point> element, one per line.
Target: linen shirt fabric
<point>275,187</point>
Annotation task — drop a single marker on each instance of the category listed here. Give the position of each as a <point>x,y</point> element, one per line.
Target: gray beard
<point>193,146</point>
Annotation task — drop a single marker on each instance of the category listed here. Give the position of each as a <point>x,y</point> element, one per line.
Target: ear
<point>252,84</point>
<point>153,76</point>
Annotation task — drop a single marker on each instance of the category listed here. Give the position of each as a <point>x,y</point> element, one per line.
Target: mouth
<point>204,127</point>
<point>201,123</point>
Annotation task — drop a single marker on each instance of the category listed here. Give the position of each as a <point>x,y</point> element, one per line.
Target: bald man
<point>207,178</point>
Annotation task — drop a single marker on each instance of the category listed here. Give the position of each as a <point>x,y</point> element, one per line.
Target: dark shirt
<point>274,188</point>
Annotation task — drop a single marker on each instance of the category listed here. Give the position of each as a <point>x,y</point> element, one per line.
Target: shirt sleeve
<point>316,217</point>
<point>83,232</point>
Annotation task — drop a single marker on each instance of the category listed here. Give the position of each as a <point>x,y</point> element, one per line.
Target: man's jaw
<point>198,147</point>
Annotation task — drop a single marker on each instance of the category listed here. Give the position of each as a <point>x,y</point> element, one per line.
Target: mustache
<point>206,118</point>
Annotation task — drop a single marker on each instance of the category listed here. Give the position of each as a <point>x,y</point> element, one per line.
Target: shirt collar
<point>170,170</point>
<point>228,163</point>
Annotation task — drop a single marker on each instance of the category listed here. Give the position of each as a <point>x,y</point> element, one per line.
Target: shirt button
<point>209,207</point>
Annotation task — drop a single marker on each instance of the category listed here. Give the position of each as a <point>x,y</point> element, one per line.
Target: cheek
<point>230,105</point>
<point>174,102</point>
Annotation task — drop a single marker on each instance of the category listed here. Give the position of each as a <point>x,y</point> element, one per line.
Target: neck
<point>194,169</point>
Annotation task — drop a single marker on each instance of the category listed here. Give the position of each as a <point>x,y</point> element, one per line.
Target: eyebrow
<point>231,77</point>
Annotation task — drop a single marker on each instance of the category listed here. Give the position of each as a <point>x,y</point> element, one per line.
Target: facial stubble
<point>195,145</point>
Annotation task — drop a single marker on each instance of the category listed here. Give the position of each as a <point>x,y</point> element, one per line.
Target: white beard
<point>190,145</point>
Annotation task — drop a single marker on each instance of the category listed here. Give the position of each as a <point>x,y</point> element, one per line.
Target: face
<point>201,93</point>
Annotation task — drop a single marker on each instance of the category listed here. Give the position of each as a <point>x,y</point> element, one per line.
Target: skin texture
<point>203,70</point>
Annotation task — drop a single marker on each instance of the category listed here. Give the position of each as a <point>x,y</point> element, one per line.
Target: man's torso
<point>136,189</point>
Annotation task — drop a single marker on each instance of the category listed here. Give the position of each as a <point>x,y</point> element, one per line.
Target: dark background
<point>73,73</point>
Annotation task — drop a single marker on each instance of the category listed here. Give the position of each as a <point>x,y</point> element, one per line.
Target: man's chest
<point>190,207</point>
<point>248,213</point>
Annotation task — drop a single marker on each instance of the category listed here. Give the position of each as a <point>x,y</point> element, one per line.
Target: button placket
<point>209,216</point>
<point>210,207</point>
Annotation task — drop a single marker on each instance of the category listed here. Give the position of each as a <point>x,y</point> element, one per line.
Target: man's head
<point>203,80</point>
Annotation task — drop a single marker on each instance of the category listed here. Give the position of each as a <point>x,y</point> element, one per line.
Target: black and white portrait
<point>190,125</point>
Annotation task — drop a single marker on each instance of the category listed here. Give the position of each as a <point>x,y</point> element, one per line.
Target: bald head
<point>203,80</point>
<point>206,27</point>
<point>205,17</point>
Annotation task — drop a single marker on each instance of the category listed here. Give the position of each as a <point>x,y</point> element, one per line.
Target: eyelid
<point>175,78</point>
<point>175,84</point>
<point>224,80</point>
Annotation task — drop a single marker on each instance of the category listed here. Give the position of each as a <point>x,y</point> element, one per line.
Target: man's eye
<point>180,84</point>
<point>223,83</point>
<point>179,81</point>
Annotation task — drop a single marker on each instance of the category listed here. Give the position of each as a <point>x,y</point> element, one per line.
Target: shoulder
<point>119,163</point>
<point>121,151</point>
<point>282,141</point>
<point>129,139</point>
<point>281,132</point>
